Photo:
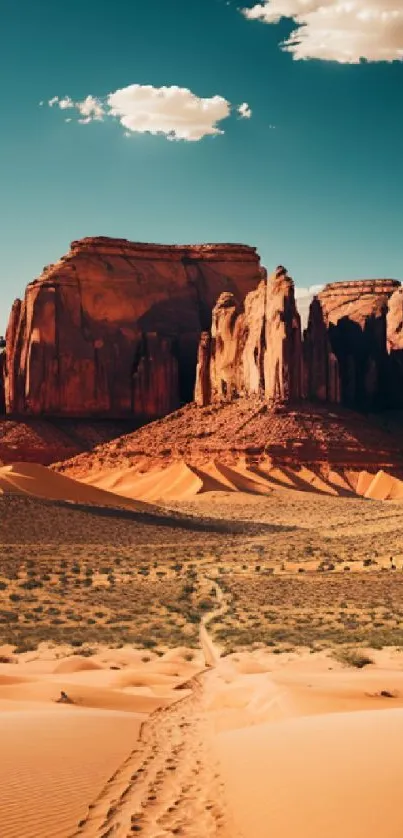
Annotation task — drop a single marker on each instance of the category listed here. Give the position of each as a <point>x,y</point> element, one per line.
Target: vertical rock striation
<point>112,329</point>
<point>283,350</point>
<point>254,347</point>
<point>353,369</point>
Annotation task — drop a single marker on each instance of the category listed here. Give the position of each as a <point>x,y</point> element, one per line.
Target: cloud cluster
<point>338,30</point>
<point>90,108</point>
<point>175,112</point>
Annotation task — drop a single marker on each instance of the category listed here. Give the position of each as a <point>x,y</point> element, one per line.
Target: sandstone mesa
<point>112,329</point>
<point>117,329</point>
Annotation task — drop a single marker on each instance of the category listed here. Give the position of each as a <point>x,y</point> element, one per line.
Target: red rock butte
<point>112,329</point>
<point>118,329</point>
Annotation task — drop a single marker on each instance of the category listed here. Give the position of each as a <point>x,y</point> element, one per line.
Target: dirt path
<point>170,784</point>
<point>211,652</point>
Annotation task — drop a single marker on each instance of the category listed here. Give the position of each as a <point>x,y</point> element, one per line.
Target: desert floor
<point>233,664</point>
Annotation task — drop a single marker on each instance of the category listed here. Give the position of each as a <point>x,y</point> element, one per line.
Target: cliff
<point>254,347</point>
<point>345,344</point>
<point>112,329</point>
<point>394,338</point>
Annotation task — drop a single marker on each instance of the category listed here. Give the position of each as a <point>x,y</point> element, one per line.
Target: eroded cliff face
<point>254,348</point>
<point>351,352</point>
<point>346,344</point>
<point>115,329</point>
<point>282,350</point>
<point>321,374</point>
<point>112,329</point>
<point>394,338</point>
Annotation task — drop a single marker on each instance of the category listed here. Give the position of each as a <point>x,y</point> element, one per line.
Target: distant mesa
<point>118,330</point>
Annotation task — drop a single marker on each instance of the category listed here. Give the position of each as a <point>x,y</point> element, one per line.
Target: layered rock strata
<point>112,329</point>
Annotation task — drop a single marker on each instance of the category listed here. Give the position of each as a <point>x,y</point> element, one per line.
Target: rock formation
<point>254,348</point>
<point>394,338</point>
<point>2,375</point>
<point>394,320</point>
<point>345,344</point>
<point>282,349</point>
<point>112,329</point>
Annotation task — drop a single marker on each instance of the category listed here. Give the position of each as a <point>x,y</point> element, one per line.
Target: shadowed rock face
<point>321,377</point>
<point>112,329</point>
<point>355,318</point>
<point>254,348</point>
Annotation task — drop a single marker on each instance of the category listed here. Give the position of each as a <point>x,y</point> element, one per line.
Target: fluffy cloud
<point>175,112</point>
<point>245,111</point>
<point>338,30</point>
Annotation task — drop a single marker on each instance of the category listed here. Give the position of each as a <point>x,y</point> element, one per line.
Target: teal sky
<point>313,177</point>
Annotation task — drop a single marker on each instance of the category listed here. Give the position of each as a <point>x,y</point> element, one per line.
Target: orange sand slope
<point>42,482</point>
<point>307,751</point>
<point>56,758</point>
<point>384,487</point>
<point>335,775</point>
<point>304,745</point>
<point>134,489</point>
<point>181,480</point>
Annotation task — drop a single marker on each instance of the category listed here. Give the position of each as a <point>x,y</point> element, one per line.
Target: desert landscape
<point>185,667</point>
<point>201,619</point>
<point>201,419</point>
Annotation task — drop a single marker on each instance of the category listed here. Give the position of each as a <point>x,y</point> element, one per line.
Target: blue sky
<point>313,177</point>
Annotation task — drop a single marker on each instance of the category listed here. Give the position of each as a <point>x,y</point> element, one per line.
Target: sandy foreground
<point>254,745</point>
<point>248,745</point>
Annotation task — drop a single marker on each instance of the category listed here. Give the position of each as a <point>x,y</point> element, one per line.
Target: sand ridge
<point>42,482</point>
<point>62,755</point>
<point>182,480</point>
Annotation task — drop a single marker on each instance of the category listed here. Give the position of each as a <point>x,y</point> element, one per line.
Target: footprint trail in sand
<point>170,784</point>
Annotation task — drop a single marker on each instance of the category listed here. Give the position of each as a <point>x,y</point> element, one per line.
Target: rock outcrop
<point>321,375</point>
<point>282,349</point>
<point>254,347</point>
<point>112,329</point>
<point>2,376</point>
<point>394,338</point>
<point>394,322</point>
<point>345,344</point>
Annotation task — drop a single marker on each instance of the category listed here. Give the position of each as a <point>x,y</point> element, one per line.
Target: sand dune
<point>305,751</point>
<point>42,482</point>
<point>256,744</point>
<point>133,488</point>
<point>182,480</point>
<point>330,775</point>
<point>56,758</point>
<point>384,487</point>
<point>54,762</point>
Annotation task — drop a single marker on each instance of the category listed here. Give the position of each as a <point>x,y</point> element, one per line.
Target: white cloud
<point>245,111</point>
<point>90,109</point>
<point>174,112</point>
<point>338,30</point>
<point>65,103</point>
